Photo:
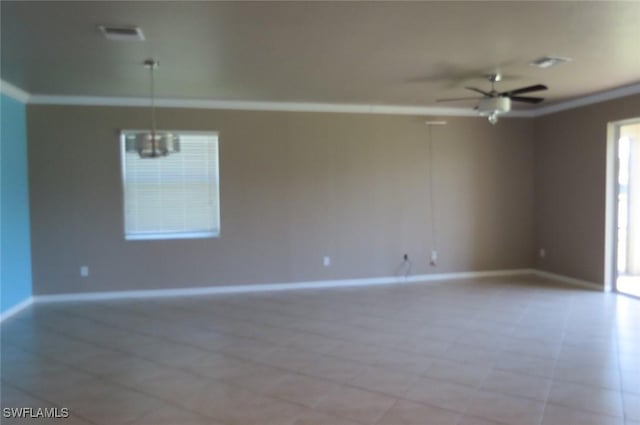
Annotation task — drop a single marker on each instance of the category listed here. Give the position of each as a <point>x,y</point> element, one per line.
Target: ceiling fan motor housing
<point>494,105</point>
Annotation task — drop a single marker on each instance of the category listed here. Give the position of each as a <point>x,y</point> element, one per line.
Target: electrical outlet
<point>84,271</point>
<point>326,261</point>
<point>434,258</point>
<point>542,253</point>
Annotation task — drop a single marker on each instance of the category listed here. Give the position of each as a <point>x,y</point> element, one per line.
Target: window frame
<point>168,235</point>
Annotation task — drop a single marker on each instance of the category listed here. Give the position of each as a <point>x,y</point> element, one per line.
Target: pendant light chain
<point>432,207</point>
<point>153,100</point>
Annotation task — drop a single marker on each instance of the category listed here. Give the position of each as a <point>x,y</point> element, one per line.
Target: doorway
<point>627,207</point>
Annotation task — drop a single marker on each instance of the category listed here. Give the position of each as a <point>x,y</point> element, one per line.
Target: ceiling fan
<point>493,103</point>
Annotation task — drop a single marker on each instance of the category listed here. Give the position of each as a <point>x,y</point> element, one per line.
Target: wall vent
<point>118,33</point>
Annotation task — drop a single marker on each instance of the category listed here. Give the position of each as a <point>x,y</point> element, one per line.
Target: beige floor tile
<point>631,406</point>
<point>290,359</point>
<point>174,354</point>
<point>591,399</point>
<point>483,338</point>
<point>470,354</point>
<point>525,365</point>
<point>333,368</point>
<point>259,380</point>
<point>231,407</point>
<point>532,347</point>
<point>313,343</point>
<point>390,382</point>
<point>133,371</point>
<point>459,373</point>
<point>355,404</point>
<point>167,415</point>
<point>630,380</point>
<point>312,417</point>
<point>300,389</point>
<point>438,333</point>
<point>445,395</point>
<point>403,361</point>
<point>214,365</point>
<point>174,386</point>
<point>406,412</point>
<point>356,352</point>
<point>223,401</point>
<point>430,348</point>
<point>66,387</point>
<point>11,397</point>
<point>472,420</point>
<point>18,364</point>
<point>243,348</point>
<point>506,409</point>
<point>560,415</point>
<point>119,407</point>
<point>591,374</point>
<point>518,385</point>
<point>109,363</point>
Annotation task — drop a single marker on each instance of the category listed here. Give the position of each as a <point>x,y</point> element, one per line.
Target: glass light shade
<point>153,145</point>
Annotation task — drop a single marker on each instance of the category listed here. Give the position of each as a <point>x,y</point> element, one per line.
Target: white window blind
<point>176,196</point>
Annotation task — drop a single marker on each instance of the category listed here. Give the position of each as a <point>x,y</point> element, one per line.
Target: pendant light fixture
<point>153,144</point>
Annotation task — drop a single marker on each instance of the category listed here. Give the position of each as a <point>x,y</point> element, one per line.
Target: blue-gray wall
<point>15,286</point>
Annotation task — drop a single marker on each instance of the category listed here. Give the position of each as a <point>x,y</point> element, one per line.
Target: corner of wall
<point>15,282</point>
<point>570,185</point>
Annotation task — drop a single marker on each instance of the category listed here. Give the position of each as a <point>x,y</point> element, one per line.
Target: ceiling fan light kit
<point>152,144</point>
<point>492,107</point>
<point>494,103</point>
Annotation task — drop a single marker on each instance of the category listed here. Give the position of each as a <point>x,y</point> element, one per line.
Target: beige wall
<point>294,187</point>
<point>570,186</point>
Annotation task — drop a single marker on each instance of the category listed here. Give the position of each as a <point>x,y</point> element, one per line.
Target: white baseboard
<point>570,280</point>
<point>270,287</point>
<point>16,309</point>
<point>238,289</point>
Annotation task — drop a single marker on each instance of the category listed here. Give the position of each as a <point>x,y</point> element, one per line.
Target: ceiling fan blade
<point>527,99</point>
<point>453,99</point>
<point>537,87</point>
<point>479,91</point>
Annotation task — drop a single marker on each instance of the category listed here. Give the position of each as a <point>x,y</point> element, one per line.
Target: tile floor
<point>513,351</point>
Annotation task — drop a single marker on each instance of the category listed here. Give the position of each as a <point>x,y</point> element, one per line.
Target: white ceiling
<point>387,53</point>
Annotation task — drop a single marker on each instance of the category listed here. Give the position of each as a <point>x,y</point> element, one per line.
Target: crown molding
<point>14,92</point>
<point>21,95</point>
<point>261,106</point>
<point>588,100</point>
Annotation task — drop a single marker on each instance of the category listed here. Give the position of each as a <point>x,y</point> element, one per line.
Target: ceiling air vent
<point>121,33</point>
<point>549,61</point>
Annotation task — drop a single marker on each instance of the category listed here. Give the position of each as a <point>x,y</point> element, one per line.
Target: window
<point>174,196</point>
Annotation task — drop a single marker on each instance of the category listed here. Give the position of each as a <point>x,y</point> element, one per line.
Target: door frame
<point>611,209</point>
